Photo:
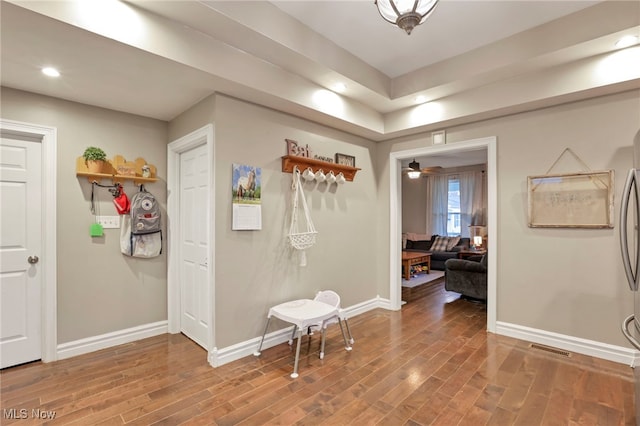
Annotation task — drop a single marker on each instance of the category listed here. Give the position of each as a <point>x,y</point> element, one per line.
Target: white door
<point>20,248</point>
<point>194,242</point>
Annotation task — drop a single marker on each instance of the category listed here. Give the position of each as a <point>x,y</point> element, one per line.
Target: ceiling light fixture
<point>51,72</point>
<point>406,14</point>
<point>415,172</point>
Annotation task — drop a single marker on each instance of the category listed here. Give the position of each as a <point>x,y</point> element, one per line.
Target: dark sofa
<point>467,277</point>
<point>438,258</point>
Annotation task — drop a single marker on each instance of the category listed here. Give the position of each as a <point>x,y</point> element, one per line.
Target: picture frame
<point>246,193</point>
<point>571,200</point>
<point>345,160</point>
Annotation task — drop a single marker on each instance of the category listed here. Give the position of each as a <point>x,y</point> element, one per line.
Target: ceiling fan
<point>414,171</point>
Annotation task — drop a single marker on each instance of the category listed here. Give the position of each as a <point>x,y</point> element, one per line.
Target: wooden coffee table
<point>414,258</point>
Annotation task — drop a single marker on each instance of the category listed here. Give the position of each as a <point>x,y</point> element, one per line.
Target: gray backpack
<point>145,214</point>
<point>141,231</point>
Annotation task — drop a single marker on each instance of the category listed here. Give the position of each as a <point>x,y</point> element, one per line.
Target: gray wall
<point>257,269</point>
<point>568,281</point>
<point>99,289</point>
<point>414,205</point>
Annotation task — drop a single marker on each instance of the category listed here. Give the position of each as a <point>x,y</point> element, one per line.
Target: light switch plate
<point>108,221</point>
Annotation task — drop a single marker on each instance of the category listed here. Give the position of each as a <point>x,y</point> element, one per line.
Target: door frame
<point>199,137</point>
<point>47,137</point>
<point>395,217</point>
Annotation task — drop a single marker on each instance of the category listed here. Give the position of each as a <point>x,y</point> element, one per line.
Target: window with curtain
<point>454,202</point>
<point>453,206</point>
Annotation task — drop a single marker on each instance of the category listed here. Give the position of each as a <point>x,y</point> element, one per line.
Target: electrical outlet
<point>109,221</point>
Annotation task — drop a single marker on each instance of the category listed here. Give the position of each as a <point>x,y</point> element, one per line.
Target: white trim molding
<point>201,136</point>
<point>395,216</point>
<point>48,138</point>
<point>366,306</point>
<point>231,353</point>
<point>103,341</point>
<point>592,348</point>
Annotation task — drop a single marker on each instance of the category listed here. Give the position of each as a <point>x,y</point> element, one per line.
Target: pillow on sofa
<point>445,243</point>
<point>452,242</point>
<point>440,244</point>
<point>408,238</point>
<point>417,237</point>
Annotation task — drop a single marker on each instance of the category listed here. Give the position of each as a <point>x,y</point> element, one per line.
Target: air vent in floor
<point>550,349</point>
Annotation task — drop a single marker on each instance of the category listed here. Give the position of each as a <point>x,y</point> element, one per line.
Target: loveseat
<point>438,254</point>
<point>467,277</point>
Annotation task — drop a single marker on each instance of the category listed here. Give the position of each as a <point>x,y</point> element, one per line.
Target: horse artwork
<point>245,192</point>
<point>246,184</point>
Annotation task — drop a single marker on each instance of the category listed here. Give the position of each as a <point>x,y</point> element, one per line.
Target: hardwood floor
<point>431,363</point>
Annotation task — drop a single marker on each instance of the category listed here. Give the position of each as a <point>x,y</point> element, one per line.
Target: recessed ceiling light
<point>626,41</point>
<point>51,72</point>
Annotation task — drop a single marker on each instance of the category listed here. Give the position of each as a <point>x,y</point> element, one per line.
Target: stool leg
<point>346,345</point>
<point>324,332</point>
<point>349,332</point>
<point>295,363</point>
<point>293,334</point>
<point>257,353</point>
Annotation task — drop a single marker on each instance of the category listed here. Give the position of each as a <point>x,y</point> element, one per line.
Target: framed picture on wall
<point>572,200</point>
<point>246,189</point>
<point>345,160</point>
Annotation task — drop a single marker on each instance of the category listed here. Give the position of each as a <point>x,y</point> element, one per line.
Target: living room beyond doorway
<point>450,158</point>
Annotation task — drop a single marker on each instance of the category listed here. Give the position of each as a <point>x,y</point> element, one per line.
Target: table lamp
<point>477,241</point>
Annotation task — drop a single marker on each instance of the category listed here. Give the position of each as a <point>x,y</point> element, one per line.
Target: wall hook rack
<point>303,163</point>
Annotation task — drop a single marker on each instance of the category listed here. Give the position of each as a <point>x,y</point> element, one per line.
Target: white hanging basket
<point>301,239</point>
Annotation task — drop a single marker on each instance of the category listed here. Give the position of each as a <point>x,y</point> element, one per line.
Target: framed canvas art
<point>572,200</point>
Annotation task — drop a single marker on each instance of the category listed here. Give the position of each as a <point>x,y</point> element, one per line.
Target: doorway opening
<point>395,216</point>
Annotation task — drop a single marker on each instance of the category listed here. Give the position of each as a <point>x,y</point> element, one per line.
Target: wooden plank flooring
<point>431,363</point>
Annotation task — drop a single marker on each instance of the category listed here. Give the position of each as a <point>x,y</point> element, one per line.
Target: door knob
<point>33,259</point>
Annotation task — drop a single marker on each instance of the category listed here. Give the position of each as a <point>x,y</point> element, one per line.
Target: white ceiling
<point>158,58</point>
<point>455,27</point>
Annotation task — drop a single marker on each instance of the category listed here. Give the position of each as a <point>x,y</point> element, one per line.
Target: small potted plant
<point>94,158</point>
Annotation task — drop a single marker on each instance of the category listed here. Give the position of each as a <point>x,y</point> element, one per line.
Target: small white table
<point>302,314</point>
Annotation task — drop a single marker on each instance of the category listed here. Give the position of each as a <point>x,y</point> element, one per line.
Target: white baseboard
<point>613,353</point>
<point>218,357</point>
<point>103,341</point>
<point>366,306</point>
